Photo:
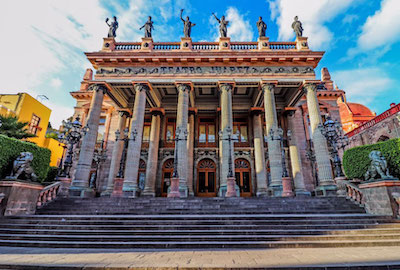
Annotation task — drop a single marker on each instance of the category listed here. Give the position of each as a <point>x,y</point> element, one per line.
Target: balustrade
<point>48,194</point>
<point>354,193</point>
<point>205,46</point>
<point>127,46</point>
<point>282,45</point>
<point>244,46</point>
<point>166,46</point>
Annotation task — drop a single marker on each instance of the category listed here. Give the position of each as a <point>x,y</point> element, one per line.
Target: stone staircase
<point>124,223</point>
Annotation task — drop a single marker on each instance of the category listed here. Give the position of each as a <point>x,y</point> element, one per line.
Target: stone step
<point>200,245</point>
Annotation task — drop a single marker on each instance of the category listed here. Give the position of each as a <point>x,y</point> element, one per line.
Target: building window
<point>239,133</point>
<point>34,124</point>
<point>170,129</point>
<point>102,129</point>
<point>206,134</point>
<point>146,130</point>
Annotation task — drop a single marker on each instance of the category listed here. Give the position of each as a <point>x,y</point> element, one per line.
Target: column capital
<point>123,113</point>
<point>141,86</point>
<point>184,86</point>
<point>226,85</point>
<point>310,85</point>
<point>157,111</point>
<point>268,85</point>
<point>98,87</point>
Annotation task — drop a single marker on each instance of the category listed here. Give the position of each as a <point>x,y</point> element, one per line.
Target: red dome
<point>359,109</point>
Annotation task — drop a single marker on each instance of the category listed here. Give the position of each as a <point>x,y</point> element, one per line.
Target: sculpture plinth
<point>263,43</point>
<point>186,43</point>
<point>108,44</point>
<point>147,44</point>
<point>231,187</point>
<point>174,188</point>
<point>224,43</point>
<point>287,187</point>
<point>118,184</point>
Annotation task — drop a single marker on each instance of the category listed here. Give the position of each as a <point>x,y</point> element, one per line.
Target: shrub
<point>51,175</point>
<point>10,149</point>
<point>356,160</point>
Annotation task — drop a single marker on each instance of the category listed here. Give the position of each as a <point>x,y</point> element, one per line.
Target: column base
<point>262,192</point>
<point>329,190</point>
<point>223,189</point>
<point>117,191</point>
<point>275,191</point>
<point>81,192</point>
<point>148,193</point>
<point>302,193</point>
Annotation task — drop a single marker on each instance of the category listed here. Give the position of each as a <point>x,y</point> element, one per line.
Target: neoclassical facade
<point>200,111</point>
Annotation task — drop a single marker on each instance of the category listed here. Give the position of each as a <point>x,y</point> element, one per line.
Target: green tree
<point>11,127</point>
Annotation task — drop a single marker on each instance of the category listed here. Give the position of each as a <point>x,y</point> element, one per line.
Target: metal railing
<point>48,194</point>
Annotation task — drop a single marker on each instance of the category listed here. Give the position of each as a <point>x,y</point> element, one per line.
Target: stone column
<point>322,156</point>
<point>116,153</point>
<point>274,146</point>
<point>295,160</point>
<point>181,133</point>
<point>80,183</point>
<point>152,161</point>
<point>130,187</point>
<point>259,156</point>
<point>224,144</point>
<point>190,147</point>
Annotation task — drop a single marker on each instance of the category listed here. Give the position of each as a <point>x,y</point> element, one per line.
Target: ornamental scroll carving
<point>215,70</point>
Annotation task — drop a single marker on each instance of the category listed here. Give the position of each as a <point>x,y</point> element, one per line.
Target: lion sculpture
<point>378,167</point>
<point>22,168</point>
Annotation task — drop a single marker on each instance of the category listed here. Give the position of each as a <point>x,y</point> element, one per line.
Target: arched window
<point>206,173</point>
<point>243,176</point>
<point>167,170</point>
<point>383,138</point>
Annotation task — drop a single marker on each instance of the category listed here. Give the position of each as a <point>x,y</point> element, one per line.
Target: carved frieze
<point>242,70</point>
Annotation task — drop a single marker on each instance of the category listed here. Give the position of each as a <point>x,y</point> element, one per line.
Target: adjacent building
<point>30,110</point>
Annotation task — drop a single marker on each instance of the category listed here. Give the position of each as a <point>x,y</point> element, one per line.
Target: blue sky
<point>43,40</point>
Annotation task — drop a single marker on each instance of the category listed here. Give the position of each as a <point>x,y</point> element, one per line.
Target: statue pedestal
<point>231,187</point>
<point>147,44</point>
<point>64,187</point>
<point>20,198</point>
<point>174,188</point>
<point>378,196</point>
<point>224,43</point>
<point>302,44</point>
<point>263,43</point>
<point>186,44</point>
<point>108,44</point>
<point>118,184</point>
<point>287,187</point>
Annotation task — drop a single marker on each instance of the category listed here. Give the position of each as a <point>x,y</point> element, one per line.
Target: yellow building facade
<point>30,110</point>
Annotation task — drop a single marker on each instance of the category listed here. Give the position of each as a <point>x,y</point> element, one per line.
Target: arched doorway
<point>206,172</point>
<point>142,174</point>
<point>243,176</point>
<point>167,170</point>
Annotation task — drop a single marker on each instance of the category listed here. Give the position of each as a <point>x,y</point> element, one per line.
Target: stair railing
<point>354,193</point>
<point>48,194</point>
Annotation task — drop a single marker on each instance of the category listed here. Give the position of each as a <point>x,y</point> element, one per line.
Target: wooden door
<point>243,176</point>
<point>167,170</point>
<point>206,174</point>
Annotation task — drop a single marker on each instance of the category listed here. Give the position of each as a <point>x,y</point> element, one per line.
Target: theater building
<point>247,108</point>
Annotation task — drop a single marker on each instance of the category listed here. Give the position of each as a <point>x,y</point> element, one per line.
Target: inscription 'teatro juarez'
<point>204,70</point>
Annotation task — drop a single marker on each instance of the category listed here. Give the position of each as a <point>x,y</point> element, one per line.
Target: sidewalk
<point>260,258</point>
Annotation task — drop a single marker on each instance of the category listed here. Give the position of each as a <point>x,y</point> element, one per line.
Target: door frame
<point>240,171</point>
<point>206,170</point>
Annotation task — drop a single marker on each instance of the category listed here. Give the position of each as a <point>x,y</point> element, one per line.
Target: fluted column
<point>259,156</point>
<point>152,161</point>
<point>190,147</point>
<point>80,182</point>
<point>295,161</point>
<point>130,187</point>
<point>224,143</point>
<point>322,156</point>
<point>116,153</point>
<point>181,128</point>
<point>274,147</point>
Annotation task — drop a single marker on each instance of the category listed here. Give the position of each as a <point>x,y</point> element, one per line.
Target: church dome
<point>359,109</point>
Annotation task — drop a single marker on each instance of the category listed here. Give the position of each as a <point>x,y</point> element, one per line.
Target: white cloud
<point>312,13</point>
<point>239,29</point>
<point>363,85</point>
<point>56,82</point>
<point>382,28</point>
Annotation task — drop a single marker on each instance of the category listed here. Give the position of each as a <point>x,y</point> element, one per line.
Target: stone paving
<point>260,258</point>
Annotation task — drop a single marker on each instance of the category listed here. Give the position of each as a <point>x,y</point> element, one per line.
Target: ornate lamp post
<point>231,183</point>
<point>174,188</point>
<point>126,140</point>
<point>286,180</point>
<point>99,156</point>
<point>311,157</point>
<point>74,132</point>
<point>333,133</point>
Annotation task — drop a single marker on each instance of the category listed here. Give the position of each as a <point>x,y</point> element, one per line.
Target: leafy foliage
<point>51,175</point>
<point>356,160</point>
<point>10,149</point>
<point>10,127</point>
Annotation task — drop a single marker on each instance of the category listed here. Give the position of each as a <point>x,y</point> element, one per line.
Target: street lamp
<point>74,132</point>
<point>99,156</point>
<point>126,140</point>
<point>333,132</point>
<point>279,137</point>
